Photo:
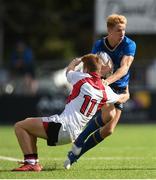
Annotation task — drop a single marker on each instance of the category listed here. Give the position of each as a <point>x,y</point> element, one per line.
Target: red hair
<point>92,62</point>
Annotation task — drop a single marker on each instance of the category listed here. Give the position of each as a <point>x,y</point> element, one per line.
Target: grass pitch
<point>130,153</point>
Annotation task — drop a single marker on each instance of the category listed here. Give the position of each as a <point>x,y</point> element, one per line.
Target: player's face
<point>117,33</point>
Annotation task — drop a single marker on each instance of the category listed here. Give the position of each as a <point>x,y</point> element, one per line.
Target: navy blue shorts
<point>119,90</point>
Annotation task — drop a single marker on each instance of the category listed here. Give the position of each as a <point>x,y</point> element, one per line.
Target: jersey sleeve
<point>112,97</point>
<point>130,49</point>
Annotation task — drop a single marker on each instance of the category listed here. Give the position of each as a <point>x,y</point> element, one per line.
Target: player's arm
<point>123,98</point>
<point>73,64</point>
<point>124,67</point>
<point>113,97</point>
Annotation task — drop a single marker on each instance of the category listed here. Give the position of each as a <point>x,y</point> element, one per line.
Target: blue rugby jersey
<point>126,47</point>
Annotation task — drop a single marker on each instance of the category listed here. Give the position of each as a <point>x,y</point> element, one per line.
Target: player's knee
<point>108,116</point>
<point>110,131</point>
<point>18,125</point>
<point>106,132</point>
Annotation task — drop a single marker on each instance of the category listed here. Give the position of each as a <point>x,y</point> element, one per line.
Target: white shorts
<point>56,131</point>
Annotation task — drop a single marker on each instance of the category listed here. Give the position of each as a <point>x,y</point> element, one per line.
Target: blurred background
<point>39,38</point>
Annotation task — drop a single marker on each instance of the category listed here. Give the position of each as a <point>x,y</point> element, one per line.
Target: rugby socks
<point>92,141</point>
<point>92,125</point>
<point>31,158</point>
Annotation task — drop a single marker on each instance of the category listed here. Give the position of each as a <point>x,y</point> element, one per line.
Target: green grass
<point>130,153</point>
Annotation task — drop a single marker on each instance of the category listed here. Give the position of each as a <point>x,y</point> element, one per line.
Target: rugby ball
<point>107,61</point>
<point>105,57</point>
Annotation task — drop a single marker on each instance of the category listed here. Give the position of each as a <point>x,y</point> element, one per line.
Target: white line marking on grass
<point>125,148</point>
<point>114,158</point>
<point>9,158</point>
<point>99,158</point>
<point>83,158</point>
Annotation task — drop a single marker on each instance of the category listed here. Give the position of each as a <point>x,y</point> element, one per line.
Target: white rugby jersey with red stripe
<point>88,95</point>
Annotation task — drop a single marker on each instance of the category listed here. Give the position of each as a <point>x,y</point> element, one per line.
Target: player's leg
<point>94,124</point>
<point>27,132</point>
<point>101,133</point>
<point>108,129</point>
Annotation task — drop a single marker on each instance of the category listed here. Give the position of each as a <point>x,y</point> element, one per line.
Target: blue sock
<point>92,125</point>
<point>92,141</point>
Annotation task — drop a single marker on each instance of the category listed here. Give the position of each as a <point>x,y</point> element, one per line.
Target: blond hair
<point>115,19</point>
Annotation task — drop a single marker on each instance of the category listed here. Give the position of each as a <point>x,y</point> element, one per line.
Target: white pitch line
<point>114,158</point>
<point>9,158</point>
<point>83,158</point>
<point>99,158</point>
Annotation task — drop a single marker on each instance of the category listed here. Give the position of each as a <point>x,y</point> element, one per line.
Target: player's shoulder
<point>128,41</point>
<point>99,42</point>
<point>78,74</point>
<point>75,76</point>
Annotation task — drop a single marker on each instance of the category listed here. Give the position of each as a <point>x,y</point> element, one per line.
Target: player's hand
<point>106,83</point>
<point>76,61</point>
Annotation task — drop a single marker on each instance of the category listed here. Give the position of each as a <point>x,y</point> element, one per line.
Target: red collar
<point>95,74</point>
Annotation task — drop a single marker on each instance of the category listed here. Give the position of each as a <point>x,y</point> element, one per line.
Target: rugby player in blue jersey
<point>121,50</point>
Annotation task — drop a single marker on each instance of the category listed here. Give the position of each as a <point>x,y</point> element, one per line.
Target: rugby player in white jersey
<point>87,96</point>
